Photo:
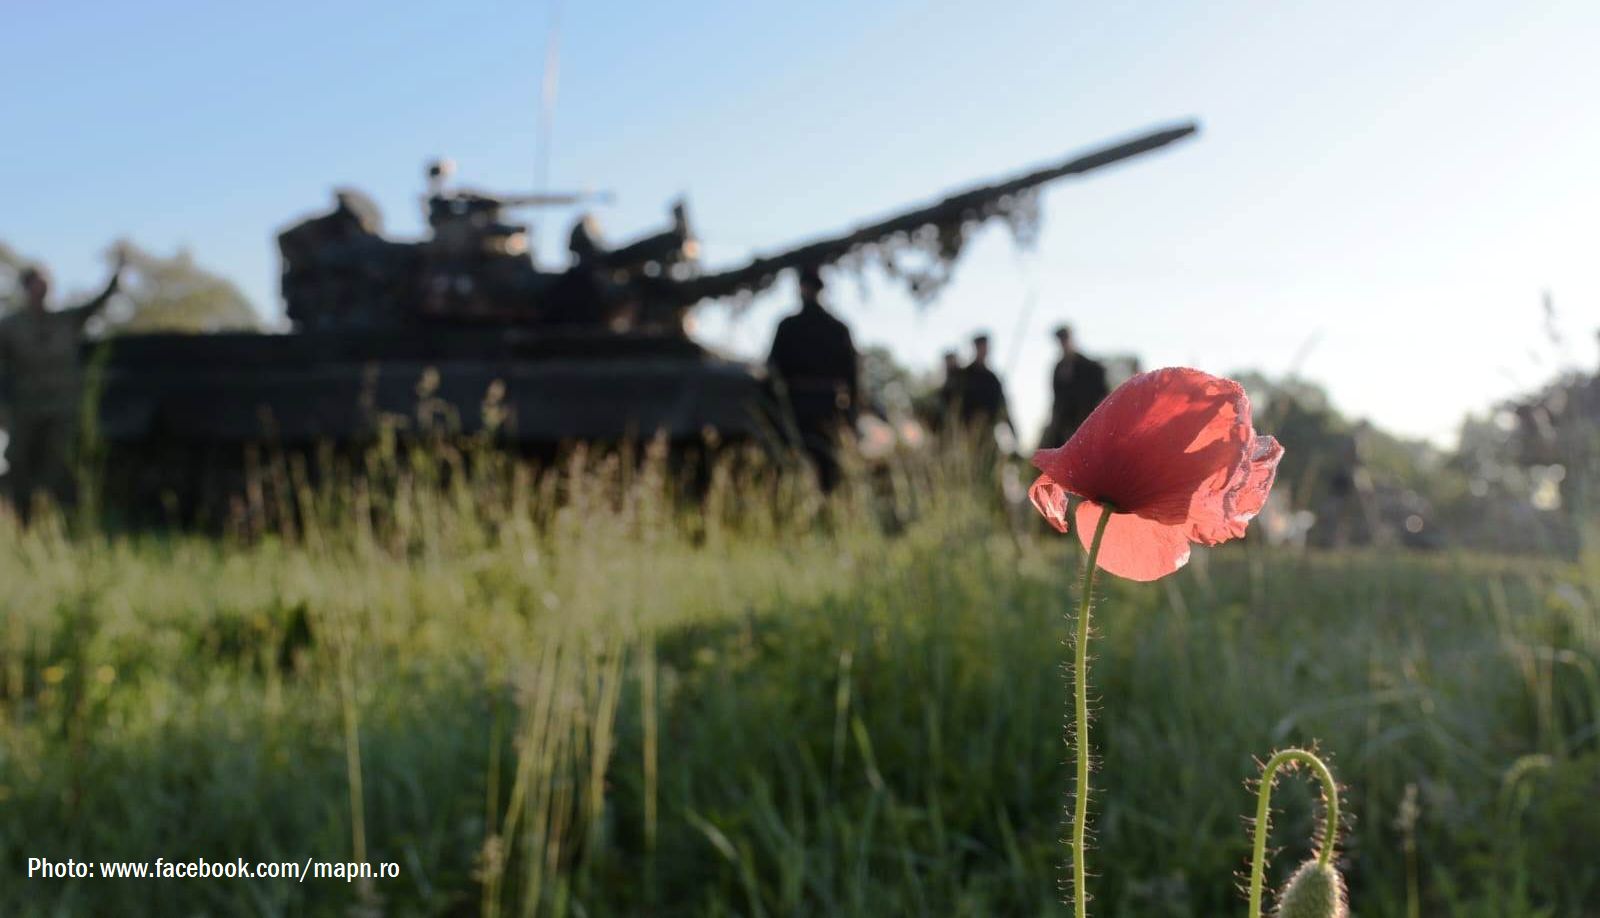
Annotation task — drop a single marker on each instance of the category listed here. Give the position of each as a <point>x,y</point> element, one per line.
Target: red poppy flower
<point>1173,453</point>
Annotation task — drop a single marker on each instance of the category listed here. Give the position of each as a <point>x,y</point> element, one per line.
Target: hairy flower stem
<point>1330,830</point>
<point>1080,723</point>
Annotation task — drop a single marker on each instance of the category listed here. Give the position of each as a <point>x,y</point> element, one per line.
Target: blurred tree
<point>1551,440</point>
<point>176,295</point>
<point>1364,484</point>
<point>10,265</point>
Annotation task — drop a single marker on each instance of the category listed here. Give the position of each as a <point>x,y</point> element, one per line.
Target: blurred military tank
<point>596,350</point>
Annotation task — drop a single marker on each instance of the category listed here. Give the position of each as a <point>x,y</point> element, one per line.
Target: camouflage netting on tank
<point>921,257</point>
<point>925,259</point>
<point>920,247</point>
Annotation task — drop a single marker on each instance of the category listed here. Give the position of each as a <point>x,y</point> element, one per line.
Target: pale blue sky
<point>1385,191</point>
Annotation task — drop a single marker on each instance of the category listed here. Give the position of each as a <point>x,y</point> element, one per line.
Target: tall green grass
<point>570,692</point>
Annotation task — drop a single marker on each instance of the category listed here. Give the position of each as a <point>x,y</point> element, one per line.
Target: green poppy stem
<point>1330,830</point>
<point>1080,724</point>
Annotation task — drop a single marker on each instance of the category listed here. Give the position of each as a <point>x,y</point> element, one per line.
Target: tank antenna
<point>548,87</point>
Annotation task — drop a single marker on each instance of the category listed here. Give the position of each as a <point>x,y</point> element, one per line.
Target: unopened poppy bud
<point>1315,891</point>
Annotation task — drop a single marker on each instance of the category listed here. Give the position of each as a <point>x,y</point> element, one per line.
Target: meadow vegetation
<point>570,693</point>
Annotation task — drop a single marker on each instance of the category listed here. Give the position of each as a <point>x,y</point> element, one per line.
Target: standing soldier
<point>1079,384</point>
<point>41,374</point>
<point>815,359</point>
<point>983,398</point>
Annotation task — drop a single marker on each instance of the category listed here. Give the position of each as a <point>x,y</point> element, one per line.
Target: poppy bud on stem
<point>1316,882</point>
<point>1080,723</point>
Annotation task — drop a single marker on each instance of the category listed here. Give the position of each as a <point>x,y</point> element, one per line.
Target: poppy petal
<point>1134,547</point>
<point>1226,513</point>
<point>1051,502</point>
<point>1154,443</point>
<point>1265,454</point>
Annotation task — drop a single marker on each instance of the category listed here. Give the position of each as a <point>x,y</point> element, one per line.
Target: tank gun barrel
<point>556,199</point>
<point>971,205</point>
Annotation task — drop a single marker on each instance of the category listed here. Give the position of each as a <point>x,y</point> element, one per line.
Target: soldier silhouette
<point>1078,384</point>
<point>42,379</point>
<point>983,398</point>
<point>581,298</point>
<point>815,362</point>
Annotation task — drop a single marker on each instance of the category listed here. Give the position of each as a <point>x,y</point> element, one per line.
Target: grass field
<point>569,696</point>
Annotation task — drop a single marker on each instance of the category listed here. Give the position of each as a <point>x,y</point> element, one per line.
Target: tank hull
<point>179,414</point>
<point>311,387</point>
